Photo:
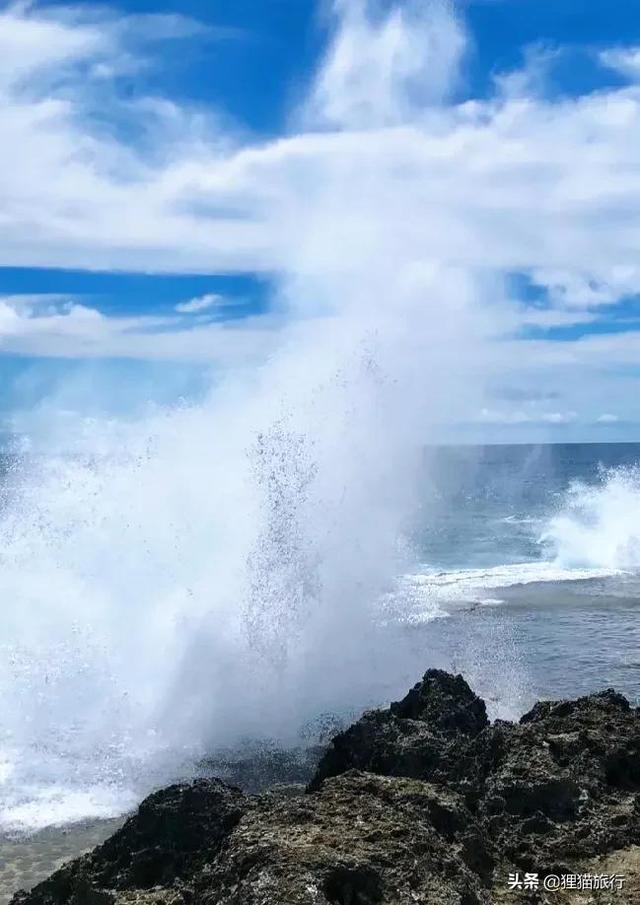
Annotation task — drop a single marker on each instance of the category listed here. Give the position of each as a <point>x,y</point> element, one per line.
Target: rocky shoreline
<point>424,802</point>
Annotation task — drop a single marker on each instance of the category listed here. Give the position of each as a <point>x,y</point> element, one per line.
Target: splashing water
<point>599,525</point>
<point>211,572</point>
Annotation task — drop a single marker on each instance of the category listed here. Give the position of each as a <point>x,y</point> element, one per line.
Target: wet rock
<point>564,784</point>
<point>174,832</point>
<point>445,702</point>
<point>423,802</point>
<point>362,839</point>
<point>424,735</point>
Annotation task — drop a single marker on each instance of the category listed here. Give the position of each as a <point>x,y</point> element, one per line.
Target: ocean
<point>529,576</point>
<point>522,571</point>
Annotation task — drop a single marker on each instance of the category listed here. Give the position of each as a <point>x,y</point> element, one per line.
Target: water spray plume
<point>213,572</point>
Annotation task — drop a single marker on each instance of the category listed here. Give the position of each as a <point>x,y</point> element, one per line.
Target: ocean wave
<point>44,806</point>
<point>594,533</point>
<point>473,585</point>
<point>520,520</point>
<point>598,525</point>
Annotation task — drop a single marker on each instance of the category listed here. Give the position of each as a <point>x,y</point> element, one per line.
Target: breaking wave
<point>598,525</point>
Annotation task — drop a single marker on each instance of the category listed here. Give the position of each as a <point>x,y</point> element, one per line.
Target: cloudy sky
<point>159,161</point>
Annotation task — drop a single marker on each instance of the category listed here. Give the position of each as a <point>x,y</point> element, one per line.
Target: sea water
<point>121,670</point>
<point>532,564</point>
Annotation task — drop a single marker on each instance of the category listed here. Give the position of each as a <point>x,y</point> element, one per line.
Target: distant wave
<point>594,533</point>
<point>520,520</point>
<point>598,526</point>
<point>472,585</point>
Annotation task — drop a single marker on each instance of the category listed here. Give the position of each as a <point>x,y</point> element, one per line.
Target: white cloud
<point>607,418</point>
<point>552,187</point>
<point>554,317</point>
<point>420,191</point>
<point>584,289</point>
<point>625,60</point>
<point>522,416</point>
<point>66,328</point>
<point>374,70</point>
<point>202,303</point>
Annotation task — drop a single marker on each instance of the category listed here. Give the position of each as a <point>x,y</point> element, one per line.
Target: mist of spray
<point>597,525</point>
<point>212,572</point>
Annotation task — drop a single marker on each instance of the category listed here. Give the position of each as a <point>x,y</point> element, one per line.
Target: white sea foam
<point>593,534</point>
<point>598,525</point>
<point>435,588</point>
<point>44,806</point>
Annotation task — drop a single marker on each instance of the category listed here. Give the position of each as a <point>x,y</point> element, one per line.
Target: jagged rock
<point>173,834</point>
<point>361,839</point>
<point>565,783</point>
<point>445,702</point>
<point>424,802</point>
<point>425,735</point>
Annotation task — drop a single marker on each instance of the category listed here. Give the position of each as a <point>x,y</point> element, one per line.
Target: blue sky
<point>260,56</point>
<point>155,177</point>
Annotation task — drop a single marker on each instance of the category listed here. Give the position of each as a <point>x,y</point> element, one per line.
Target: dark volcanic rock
<point>361,839</point>
<point>445,702</point>
<point>174,833</point>
<point>565,783</point>
<point>425,735</point>
<point>422,803</point>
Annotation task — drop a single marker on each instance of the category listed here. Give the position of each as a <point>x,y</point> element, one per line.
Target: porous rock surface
<point>425,802</point>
